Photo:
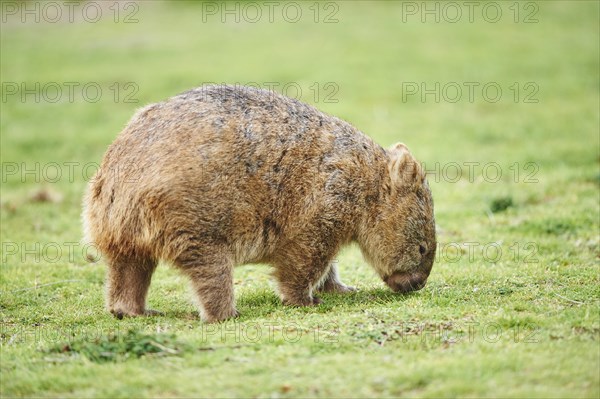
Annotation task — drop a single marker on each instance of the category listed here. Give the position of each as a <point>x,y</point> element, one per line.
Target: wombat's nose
<point>406,282</point>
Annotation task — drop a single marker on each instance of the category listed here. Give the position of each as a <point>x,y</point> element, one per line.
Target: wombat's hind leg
<point>127,285</point>
<point>332,282</point>
<point>212,282</point>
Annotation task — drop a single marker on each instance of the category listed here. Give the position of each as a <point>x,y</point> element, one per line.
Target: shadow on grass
<point>265,302</point>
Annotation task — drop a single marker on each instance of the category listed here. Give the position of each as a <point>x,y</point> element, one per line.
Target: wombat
<point>221,176</point>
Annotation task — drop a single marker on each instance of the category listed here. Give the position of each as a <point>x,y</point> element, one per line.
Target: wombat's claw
<point>152,312</point>
<point>345,289</point>
<point>119,314</point>
<point>340,289</point>
<point>316,301</point>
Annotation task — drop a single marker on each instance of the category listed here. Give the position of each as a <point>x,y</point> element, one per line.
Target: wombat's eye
<point>422,249</point>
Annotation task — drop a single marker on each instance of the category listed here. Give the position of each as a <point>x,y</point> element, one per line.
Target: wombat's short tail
<point>90,218</point>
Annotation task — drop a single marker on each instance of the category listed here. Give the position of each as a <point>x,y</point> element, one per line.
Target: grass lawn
<point>504,114</point>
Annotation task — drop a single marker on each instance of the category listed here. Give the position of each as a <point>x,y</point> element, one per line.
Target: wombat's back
<point>232,166</point>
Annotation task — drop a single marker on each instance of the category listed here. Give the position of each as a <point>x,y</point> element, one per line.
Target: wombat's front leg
<point>127,285</point>
<point>297,278</point>
<point>332,282</point>
<point>212,281</point>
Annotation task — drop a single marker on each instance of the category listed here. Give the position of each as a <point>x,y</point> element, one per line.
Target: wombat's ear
<point>405,170</point>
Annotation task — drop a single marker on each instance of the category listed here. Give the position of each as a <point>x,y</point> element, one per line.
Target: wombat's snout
<point>406,281</point>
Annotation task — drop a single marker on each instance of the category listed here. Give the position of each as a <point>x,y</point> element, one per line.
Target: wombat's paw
<point>152,312</point>
<point>120,313</point>
<point>337,288</point>
<point>210,318</point>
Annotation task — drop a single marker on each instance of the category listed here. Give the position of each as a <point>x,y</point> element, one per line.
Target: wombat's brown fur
<point>221,176</point>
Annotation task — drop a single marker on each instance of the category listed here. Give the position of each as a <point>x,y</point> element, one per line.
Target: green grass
<point>523,322</point>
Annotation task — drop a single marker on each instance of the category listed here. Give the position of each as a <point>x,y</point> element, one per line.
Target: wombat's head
<point>399,241</point>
